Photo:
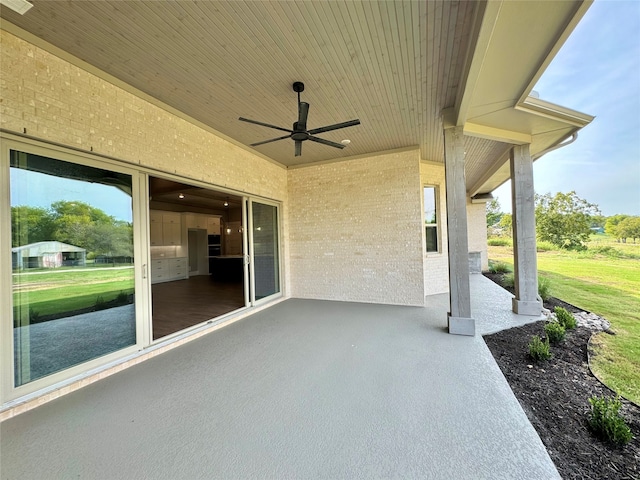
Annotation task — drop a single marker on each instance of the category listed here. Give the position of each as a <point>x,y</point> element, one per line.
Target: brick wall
<point>356,230</point>
<point>56,101</point>
<point>477,230</point>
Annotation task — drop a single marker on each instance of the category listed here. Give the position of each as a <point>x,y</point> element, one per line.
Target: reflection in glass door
<point>264,240</point>
<point>72,264</point>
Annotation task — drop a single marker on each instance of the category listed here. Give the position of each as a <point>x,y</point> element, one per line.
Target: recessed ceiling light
<point>181,195</point>
<point>20,6</point>
<point>346,141</point>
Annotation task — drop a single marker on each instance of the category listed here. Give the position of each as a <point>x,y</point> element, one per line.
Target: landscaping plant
<point>544,286</point>
<point>606,421</point>
<point>499,267</point>
<point>565,318</point>
<point>555,332</point>
<point>539,350</point>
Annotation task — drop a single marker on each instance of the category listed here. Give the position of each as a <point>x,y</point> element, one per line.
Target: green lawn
<point>609,287</point>
<point>53,292</point>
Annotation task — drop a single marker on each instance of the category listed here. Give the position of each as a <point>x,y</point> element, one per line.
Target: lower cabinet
<point>168,269</point>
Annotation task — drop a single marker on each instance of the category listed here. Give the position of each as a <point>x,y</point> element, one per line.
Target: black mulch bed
<point>555,396</point>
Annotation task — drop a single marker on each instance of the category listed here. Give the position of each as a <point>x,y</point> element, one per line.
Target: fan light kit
<point>300,133</point>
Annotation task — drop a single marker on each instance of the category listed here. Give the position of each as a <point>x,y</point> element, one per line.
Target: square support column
<point>526,301</point>
<point>460,320</point>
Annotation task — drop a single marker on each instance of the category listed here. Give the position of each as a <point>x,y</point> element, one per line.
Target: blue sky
<point>40,190</point>
<point>597,71</point>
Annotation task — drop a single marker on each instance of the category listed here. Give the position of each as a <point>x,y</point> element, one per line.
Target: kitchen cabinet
<point>196,220</point>
<point>168,269</point>
<point>165,228</point>
<point>171,229</point>
<point>155,228</point>
<point>213,225</point>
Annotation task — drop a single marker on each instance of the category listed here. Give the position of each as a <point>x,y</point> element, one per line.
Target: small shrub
<point>508,280</point>
<point>499,242</point>
<point>544,287</point>
<point>606,251</point>
<point>499,267</point>
<point>100,304</point>
<point>554,331</point>
<point>539,350</point>
<point>122,298</point>
<point>543,246</point>
<point>34,315</point>
<point>565,318</point>
<point>606,421</point>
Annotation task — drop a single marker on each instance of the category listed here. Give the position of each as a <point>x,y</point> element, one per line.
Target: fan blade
<point>265,124</point>
<point>325,142</point>
<point>328,128</point>
<point>303,113</point>
<point>269,141</point>
<point>298,148</point>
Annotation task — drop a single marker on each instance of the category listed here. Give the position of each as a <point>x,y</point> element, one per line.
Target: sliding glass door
<point>72,259</point>
<point>264,241</point>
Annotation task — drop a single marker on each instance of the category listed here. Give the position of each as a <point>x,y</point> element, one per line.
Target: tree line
<point>567,221</point>
<point>73,222</point>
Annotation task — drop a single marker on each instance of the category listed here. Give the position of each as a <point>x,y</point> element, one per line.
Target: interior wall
<point>355,231</point>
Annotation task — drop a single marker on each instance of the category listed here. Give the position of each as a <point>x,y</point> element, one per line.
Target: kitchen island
<point>226,268</point>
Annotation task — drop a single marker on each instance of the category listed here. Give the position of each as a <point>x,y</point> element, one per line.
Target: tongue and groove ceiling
<point>395,65</point>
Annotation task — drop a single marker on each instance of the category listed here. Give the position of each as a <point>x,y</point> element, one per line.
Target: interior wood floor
<point>183,303</point>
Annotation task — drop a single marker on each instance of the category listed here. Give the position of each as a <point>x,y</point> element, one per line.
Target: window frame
<point>437,224</point>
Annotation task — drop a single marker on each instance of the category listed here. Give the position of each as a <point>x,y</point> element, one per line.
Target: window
<point>431,218</point>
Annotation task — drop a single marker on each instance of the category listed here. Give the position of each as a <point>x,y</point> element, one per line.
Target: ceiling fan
<point>300,133</point>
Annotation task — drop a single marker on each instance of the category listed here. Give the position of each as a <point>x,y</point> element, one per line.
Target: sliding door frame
<point>7,381</point>
<point>252,263</point>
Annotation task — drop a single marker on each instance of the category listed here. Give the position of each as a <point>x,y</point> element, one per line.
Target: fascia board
<point>552,111</point>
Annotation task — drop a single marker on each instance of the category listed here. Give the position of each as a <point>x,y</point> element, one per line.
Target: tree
<point>611,225</point>
<point>628,228</point>
<point>494,212</point>
<point>506,224</point>
<point>30,225</point>
<point>76,224</point>
<point>564,219</point>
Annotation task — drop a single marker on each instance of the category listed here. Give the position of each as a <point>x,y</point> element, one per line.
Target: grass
<point>608,286</point>
<point>54,292</point>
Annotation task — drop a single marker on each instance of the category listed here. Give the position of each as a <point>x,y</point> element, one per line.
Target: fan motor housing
<point>300,136</point>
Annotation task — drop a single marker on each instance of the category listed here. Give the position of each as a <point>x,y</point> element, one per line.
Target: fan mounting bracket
<point>298,87</point>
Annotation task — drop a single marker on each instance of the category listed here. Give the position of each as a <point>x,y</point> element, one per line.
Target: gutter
<point>574,137</point>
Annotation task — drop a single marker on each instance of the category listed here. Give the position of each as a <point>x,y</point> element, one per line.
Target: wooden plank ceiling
<point>395,65</point>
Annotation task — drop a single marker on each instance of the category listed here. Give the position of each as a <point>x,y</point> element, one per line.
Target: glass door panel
<point>266,261</point>
<point>72,264</point>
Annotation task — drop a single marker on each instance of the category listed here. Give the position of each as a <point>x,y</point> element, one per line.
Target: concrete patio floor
<point>304,389</point>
